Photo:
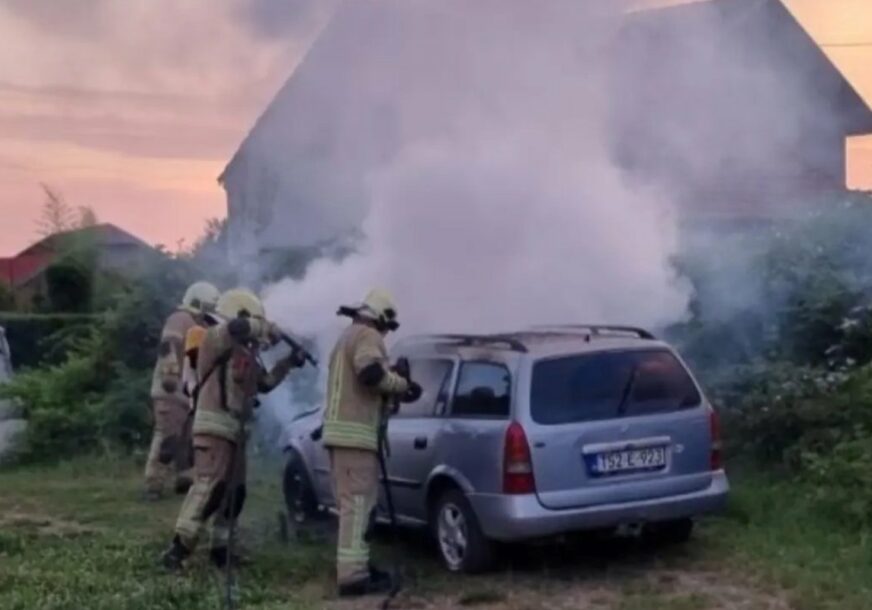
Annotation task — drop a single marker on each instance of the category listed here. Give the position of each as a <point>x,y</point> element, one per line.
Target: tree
<point>70,286</point>
<point>57,216</point>
<point>87,217</point>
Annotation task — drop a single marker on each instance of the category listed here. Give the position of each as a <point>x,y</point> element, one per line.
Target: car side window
<point>433,376</point>
<point>483,391</point>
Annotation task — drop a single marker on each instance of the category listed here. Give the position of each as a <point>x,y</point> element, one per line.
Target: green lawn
<point>77,536</point>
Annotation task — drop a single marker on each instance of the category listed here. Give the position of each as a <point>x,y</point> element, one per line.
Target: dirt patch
<point>43,525</point>
<point>653,590</point>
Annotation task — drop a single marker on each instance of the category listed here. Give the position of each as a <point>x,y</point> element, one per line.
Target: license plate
<point>627,460</point>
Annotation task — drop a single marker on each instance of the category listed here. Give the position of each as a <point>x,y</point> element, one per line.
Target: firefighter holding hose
<point>230,376</point>
<point>360,384</point>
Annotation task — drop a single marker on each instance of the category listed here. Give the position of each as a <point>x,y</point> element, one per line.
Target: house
<point>725,105</point>
<point>744,115</point>
<point>117,251</point>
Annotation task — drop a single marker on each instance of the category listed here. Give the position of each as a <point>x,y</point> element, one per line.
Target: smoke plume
<point>499,206</point>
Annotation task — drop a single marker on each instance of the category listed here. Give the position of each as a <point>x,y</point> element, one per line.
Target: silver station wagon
<point>536,434</point>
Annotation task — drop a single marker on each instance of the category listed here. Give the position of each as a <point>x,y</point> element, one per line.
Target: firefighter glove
<point>413,393</point>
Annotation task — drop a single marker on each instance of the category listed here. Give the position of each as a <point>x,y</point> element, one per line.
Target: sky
<point>133,108</point>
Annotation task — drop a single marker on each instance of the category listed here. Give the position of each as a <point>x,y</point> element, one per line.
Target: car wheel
<point>300,499</point>
<point>461,543</point>
<point>670,532</point>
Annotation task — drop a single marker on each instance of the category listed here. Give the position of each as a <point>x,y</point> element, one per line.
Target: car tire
<point>461,544</point>
<point>300,499</point>
<point>677,531</point>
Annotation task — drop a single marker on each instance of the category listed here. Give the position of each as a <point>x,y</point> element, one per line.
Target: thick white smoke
<point>501,207</point>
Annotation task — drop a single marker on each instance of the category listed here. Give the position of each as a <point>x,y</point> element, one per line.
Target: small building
<point>727,104</point>
<point>117,252</point>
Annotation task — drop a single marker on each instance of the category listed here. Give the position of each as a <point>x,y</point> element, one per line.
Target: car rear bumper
<point>514,518</point>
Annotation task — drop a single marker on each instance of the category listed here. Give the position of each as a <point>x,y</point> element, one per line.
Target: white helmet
<point>200,297</point>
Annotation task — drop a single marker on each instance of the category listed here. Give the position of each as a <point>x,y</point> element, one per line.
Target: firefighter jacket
<point>354,410</point>
<point>231,376</point>
<point>166,382</point>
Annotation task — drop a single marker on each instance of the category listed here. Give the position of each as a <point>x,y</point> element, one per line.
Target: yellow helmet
<point>378,306</point>
<point>380,303</point>
<point>200,297</point>
<point>239,301</point>
<point>194,338</point>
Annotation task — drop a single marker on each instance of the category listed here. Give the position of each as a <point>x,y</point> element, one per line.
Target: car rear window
<point>609,385</point>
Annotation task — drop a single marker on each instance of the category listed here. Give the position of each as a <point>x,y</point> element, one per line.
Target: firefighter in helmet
<point>167,455</point>
<point>360,381</point>
<point>230,377</point>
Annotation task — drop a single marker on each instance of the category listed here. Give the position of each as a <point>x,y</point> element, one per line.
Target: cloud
<point>77,19</point>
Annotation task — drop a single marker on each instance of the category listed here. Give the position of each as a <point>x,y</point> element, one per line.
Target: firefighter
<point>166,456</point>
<point>230,377</point>
<point>360,381</point>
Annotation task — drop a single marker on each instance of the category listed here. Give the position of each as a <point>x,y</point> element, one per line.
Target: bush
<point>61,403</point>
<point>795,291</point>
<point>70,286</point>
<point>96,396</point>
<point>7,298</point>
<point>35,339</point>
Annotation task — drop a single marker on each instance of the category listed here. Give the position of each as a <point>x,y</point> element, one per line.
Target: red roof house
<point>117,251</point>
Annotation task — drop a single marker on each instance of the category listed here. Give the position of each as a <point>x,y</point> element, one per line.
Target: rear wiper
<point>628,390</point>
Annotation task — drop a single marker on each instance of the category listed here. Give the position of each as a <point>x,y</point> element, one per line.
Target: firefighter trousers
<point>169,454</point>
<point>217,494</point>
<point>354,474</point>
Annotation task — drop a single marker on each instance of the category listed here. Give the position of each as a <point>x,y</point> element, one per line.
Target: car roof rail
<point>596,329</point>
<point>507,341</point>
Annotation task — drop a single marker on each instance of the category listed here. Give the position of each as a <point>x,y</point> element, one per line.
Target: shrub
<point>70,286</point>
<point>95,397</point>
<point>61,405</point>
<point>35,339</point>
<point>794,291</point>
<point>7,298</point>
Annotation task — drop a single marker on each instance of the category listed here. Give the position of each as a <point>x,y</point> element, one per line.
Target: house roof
<point>16,270</point>
<point>31,261</point>
<point>765,24</point>
<point>103,235</point>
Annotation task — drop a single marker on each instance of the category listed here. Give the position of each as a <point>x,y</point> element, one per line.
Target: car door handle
<point>420,442</point>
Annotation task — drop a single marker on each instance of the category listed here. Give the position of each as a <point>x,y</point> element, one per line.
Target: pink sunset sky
<point>134,107</point>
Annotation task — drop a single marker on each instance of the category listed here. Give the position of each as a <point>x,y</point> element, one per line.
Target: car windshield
<point>609,385</point>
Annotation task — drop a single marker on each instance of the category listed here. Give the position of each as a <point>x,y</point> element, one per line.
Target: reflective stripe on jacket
<point>354,410</point>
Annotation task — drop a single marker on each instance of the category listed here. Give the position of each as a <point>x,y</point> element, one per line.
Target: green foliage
<point>61,404</point>
<point>70,286</point>
<point>781,335</point>
<point>7,298</point>
<point>35,339</point>
<point>791,291</point>
<point>95,395</point>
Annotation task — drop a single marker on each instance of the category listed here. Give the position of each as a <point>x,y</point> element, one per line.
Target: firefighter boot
<point>376,582</point>
<point>174,557</point>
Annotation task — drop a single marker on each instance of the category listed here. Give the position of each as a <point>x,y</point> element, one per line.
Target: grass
<point>774,531</point>
<point>77,536</point>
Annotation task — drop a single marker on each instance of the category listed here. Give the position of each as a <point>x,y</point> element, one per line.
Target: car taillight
<point>517,462</point>
<point>717,458</point>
